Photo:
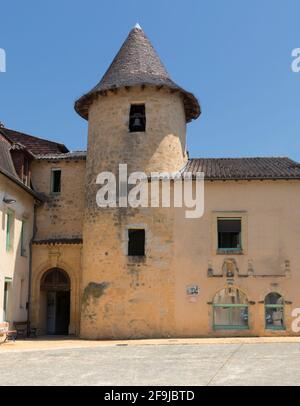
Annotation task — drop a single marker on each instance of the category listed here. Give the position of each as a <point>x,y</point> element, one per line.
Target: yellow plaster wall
<point>12,264</point>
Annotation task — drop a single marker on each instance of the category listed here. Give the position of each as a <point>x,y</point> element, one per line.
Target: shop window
<point>230,310</point>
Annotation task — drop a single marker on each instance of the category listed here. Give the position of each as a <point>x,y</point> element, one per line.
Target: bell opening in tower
<point>137,118</point>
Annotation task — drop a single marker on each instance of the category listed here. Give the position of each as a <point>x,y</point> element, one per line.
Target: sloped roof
<point>72,155</point>
<point>137,63</point>
<point>221,168</point>
<point>6,162</point>
<point>245,168</point>
<point>7,168</point>
<point>33,144</point>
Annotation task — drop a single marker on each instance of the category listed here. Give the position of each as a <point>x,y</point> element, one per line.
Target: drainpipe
<point>30,270</point>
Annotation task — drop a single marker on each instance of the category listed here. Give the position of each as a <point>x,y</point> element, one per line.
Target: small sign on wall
<point>192,291</point>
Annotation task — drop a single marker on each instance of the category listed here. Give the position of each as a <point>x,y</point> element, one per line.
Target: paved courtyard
<point>152,362</point>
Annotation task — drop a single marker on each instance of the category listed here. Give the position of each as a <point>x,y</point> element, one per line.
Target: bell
<point>137,122</point>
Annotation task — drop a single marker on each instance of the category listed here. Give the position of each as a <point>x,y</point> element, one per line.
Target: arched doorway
<point>55,288</point>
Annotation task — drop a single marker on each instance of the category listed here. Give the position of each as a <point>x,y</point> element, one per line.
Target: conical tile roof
<point>137,63</point>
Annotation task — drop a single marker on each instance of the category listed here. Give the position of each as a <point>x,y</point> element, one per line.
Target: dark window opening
<point>136,242</point>
<point>229,233</point>
<point>56,181</point>
<point>137,118</point>
<point>26,172</point>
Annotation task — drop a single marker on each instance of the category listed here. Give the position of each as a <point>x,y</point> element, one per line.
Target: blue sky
<point>234,55</point>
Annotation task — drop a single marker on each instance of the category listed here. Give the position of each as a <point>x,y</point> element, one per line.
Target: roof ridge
<point>31,136</point>
<point>247,157</point>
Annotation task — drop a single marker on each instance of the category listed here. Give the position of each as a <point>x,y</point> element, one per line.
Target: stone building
<point>129,272</point>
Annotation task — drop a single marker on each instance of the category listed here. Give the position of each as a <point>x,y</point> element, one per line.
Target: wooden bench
<point>24,329</point>
<point>6,334</point>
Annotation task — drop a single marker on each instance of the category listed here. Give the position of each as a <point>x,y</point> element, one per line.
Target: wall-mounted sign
<point>192,290</point>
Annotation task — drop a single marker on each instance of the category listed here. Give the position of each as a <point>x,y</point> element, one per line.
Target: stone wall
<point>61,215</point>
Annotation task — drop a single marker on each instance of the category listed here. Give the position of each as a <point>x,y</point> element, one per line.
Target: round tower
<point>136,113</point>
<point>137,116</point>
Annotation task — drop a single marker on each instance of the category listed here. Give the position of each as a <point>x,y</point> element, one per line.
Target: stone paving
<point>228,361</point>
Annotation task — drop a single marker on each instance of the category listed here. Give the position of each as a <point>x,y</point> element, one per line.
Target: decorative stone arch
<point>229,313</point>
<point>35,305</point>
<point>230,286</point>
<point>277,289</point>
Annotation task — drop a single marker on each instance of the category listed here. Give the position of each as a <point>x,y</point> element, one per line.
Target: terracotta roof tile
<point>221,168</point>
<point>7,168</point>
<point>6,162</point>
<point>244,168</point>
<point>72,155</point>
<point>137,63</point>
<point>33,144</point>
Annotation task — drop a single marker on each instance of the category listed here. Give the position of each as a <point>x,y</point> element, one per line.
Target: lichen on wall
<point>93,291</point>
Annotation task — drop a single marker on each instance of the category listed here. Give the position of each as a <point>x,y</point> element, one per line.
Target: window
<point>230,310</point>
<point>55,181</point>
<point>22,292</point>
<point>274,311</point>
<point>9,230</point>
<point>26,179</point>
<point>23,239</point>
<point>136,242</point>
<point>137,118</point>
<point>7,286</point>
<point>229,234</point>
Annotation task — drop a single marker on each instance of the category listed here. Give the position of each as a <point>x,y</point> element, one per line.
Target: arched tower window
<point>230,310</point>
<point>274,311</point>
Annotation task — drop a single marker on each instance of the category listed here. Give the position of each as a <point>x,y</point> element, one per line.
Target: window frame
<point>274,306</point>
<point>237,249</point>
<point>237,214</point>
<point>6,298</point>
<point>234,326</point>
<point>52,192</point>
<point>144,118</point>
<point>230,306</point>
<point>10,216</point>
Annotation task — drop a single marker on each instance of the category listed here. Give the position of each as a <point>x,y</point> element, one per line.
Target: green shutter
<point>8,230</point>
